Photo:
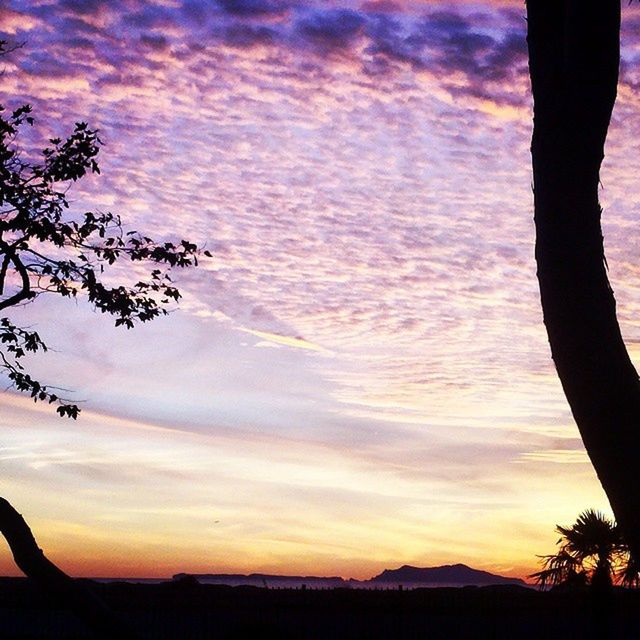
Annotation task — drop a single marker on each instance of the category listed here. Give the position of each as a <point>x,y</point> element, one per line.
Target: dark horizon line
<point>284,576</point>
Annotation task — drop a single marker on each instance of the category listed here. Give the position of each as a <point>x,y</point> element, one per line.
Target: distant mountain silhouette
<point>458,574</point>
<point>447,575</point>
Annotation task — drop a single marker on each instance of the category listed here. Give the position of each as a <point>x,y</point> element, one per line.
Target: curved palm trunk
<point>58,585</point>
<point>574,55</point>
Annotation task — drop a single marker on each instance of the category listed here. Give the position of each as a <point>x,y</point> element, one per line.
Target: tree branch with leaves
<point>46,249</point>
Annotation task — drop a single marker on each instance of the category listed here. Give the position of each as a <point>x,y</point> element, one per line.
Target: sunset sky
<point>359,378</point>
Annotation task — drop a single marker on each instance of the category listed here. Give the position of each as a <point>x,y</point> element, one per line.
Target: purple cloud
<point>253,8</point>
<point>155,42</point>
<point>331,29</point>
<point>239,34</point>
<point>381,6</point>
<point>149,17</point>
<point>388,40</point>
<point>83,7</point>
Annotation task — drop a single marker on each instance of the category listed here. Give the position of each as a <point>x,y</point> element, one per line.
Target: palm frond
<point>591,549</point>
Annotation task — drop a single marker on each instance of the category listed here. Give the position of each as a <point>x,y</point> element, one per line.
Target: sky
<point>359,378</point>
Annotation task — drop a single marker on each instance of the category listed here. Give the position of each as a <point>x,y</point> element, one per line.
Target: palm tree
<point>592,551</point>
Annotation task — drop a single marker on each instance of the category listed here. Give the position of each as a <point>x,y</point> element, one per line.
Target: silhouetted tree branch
<point>57,584</point>
<point>45,249</point>
<point>24,293</point>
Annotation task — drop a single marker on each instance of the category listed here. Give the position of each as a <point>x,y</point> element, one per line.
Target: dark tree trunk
<point>66,591</point>
<point>574,56</point>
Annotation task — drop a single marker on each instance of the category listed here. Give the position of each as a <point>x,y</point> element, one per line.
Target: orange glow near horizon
<point>154,520</point>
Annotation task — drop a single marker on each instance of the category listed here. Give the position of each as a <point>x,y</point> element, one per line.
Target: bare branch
<point>25,292</point>
<point>3,272</point>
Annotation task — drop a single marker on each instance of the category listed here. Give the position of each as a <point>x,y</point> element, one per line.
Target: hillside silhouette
<point>459,574</point>
<point>446,575</point>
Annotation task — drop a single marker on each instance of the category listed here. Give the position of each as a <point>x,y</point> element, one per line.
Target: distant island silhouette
<point>458,575</point>
<point>445,574</point>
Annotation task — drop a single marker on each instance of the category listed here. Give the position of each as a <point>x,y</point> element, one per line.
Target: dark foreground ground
<point>186,611</point>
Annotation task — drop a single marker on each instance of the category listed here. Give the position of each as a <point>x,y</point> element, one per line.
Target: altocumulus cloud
<point>355,172</point>
<point>252,8</point>
<point>476,50</point>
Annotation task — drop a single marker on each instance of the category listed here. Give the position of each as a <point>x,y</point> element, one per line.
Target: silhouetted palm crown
<point>592,550</point>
